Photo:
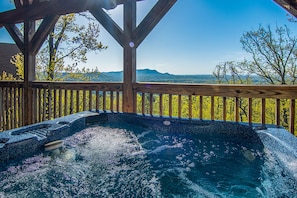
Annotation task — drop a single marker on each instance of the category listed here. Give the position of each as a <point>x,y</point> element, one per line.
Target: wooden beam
<point>109,24</point>
<point>40,10</point>
<point>152,19</point>
<point>289,5</point>
<point>16,35</point>
<point>29,72</point>
<point>43,31</point>
<point>129,56</point>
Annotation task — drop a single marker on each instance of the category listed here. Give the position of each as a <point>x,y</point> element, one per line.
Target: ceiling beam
<point>109,24</point>
<point>42,32</point>
<point>289,5</point>
<point>16,35</point>
<point>151,20</point>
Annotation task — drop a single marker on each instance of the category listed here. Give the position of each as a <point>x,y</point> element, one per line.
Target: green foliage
<point>68,40</point>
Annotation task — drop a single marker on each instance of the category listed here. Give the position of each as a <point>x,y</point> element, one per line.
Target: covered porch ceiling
<point>39,9</point>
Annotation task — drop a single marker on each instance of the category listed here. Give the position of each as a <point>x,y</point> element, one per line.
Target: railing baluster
<point>161,105</point>
<point>77,100</point>
<point>179,106</point>
<point>263,111</point>
<point>44,104</point>
<point>190,107</point>
<point>212,107</point>
<point>50,93</point>
<point>97,99</point>
<point>84,101</point>
<point>55,103</point>
<point>224,108</point>
<point>60,102</point>
<point>15,108</point>
<point>201,107</point>
<point>170,105</point>
<point>90,100</point>
<point>71,101</point>
<point>250,110</point>
<point>111,101</point>
<point>5,109</point>
<point>292,115</point>
<point>151,104</point>
<point>21,106</point>
<point>65,102</point>
<point>143,103</point>
<point>104,101</point>
<point>118,101</point>
<point>277,112</point>
<point>1,109</point>
<point>236,109</point>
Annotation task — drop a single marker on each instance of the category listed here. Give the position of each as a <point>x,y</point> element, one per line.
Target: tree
<point>67,40</point>
<point>273,59</point>
<point>274,54</point>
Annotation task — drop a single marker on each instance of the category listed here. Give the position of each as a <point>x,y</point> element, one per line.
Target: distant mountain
<point>148,75</point>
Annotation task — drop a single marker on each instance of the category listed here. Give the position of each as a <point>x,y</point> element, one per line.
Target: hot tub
<point>127,155</point>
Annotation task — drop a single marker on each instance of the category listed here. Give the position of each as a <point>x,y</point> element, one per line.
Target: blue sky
<point>192,38</point>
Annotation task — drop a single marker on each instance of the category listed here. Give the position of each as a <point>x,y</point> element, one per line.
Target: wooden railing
<point>239,103</point>
<point>11,105</point>
<point>56,99</point>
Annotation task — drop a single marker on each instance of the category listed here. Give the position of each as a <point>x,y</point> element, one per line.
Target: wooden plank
<point>151,104</point>
<point>179,105</point>
<point>1,109</point>
<point>143,103</point>
<point>224,108</point>
<point>118,101</point>
<point>151,20</point>
<point>50,97</point>
<point>40,10</point>
<point>236,113</point>
<point>190,106</point>
<point>16,35</point>
<point>60,103</point>
<point>250,110</point>
<point>84,100</point>
<point>104,100</point>
<point>212,108</point>
<point>65,102</point>
<point>77,100</point>
<point>97,99</point>
<point>201,107</point>
<point>292,116</point>
<point>90,100</point>
<point>129,57</point>
<point>111,101</point>
<point>240,91</point>
<point>288,5</point>
<point>71,102</point>
<point>106,21</point>
<point>160,105</point>
<point>55,103</point>
<point>42,32</point>
<point>263,111</point>
<point>277,112</point>
<point>170,105</point>
<point>44,106</point>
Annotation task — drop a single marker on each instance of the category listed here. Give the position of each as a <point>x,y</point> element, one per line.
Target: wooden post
<point>129,56</point>
<point>130,38</point>
<point>29,72</point>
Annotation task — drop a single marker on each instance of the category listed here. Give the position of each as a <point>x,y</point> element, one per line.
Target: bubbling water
<point>141,162</point>
<point>95,162</point>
